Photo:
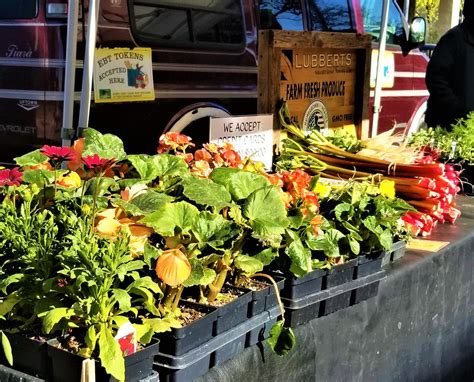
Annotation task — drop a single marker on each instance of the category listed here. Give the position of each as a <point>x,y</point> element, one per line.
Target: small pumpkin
<point>173,267</point>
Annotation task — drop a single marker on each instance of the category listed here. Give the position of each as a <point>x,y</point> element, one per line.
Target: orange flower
<point>202,154</point>
<point>173,267</point>
<point>70,180</point>
<point>201,168</point>
<point>40,166</point>
<point>76,162</point>
<point>316,222</point>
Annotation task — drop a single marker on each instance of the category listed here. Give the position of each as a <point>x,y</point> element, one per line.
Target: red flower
<point>94,162</point>
<point>11,177</point>
<point>58,154</point>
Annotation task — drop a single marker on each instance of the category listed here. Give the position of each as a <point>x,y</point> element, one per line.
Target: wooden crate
<point>324,77</point>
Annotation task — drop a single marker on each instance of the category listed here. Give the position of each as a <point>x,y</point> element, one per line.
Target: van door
<point>22,76</point>
<point>403,89</point>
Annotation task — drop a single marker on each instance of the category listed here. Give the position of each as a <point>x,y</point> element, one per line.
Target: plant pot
<point>297,287</point>
<point>232,313</point>
<point>295,317</point>
<point>265,299</point>
<point>397,252</point>
<point>180,340</point>
<point>365,292</point>
<point>338,275</point>
<point>368,264</point>
<point>67,366</point>
<point>188,373</point>
<point>29,356</point>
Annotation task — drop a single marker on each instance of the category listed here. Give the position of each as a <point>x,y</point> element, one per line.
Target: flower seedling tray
<point>265,298</point>
<point>397,252</point>
<point>297,287</point>
<point>196,362</point>
<point>29,356</point>
<point>181,340</point>
<point>304,309</point>
<point>338,275</point>
<point>232,313</point>
<point>67,366</point>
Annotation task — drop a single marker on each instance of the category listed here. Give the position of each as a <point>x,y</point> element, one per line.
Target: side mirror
<point>418,30</point>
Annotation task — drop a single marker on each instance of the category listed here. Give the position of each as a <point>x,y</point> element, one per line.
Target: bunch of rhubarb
<point>428,186</point>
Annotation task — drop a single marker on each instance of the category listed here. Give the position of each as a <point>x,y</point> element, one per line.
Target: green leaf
<point>31,158</point>
<point>145,166</point>
<point>160,325</point>
<point>106,146</point>
<point>110,354</point>
<point>91,337</point>
<point>169,165</point>
<point>123,299</point>
<point>267,214</point>
<point>206,192</point>
<point>7,348</point>
<point>248,264</point>
<point>4,284</point>
<point>340,209</point>
<point>213,229</point>
<point>197,273</point>
<point>386,240</point>
<point>54,316</point>
<point>150,201</point>
<point>239,183</point>
<point>151,254</point>
<point>281,339</point>
<point>144,333</point>
<point>173,218</point>
<point>300,257</point>
<point>145,282</point>
<point>266,256</point>
<point>209,276</point>
<point>39,177</point>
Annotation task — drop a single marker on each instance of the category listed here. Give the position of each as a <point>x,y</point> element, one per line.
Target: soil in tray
<point>197,321</point>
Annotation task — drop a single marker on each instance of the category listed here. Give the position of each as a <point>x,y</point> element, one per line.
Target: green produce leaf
<point>123,299</point>
<point>169,165</point>
<point>39,177</point>
<point>91,337</point>
<point>266,256</point>
<point>106,146</point>
<point>300,257</point>
<point>31,158</point>
<point>206,192</point>
<point>281,339</point>
<point>248,264</point>
<point>110,354</point>
<point>54,316</point>
<point>213,229</point>
<point>7,348</point>
<point>239,183</point>
<point>172,218</point>
<point>150,201</point>
<point>160,325</point>
<point>341,209</point>
<point>144,164</point>
<point>267,215</point>
<point>144,333</point>
<point>197,273</point>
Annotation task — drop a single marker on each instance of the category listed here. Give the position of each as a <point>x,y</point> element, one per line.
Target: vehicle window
<point>331,15</point>
<point>18,9</point>
<point>372,12</point>
<point>189,23</point>
<point>281,14</point>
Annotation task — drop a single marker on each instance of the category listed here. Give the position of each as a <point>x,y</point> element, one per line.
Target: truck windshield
<point>18,9</point>
<point>189,23</point>
<point>281,14</point>
<point>331,16</point>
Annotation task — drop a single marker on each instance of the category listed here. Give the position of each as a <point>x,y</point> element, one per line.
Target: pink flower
<point>11,177</point>
<point>58,154</point>
<point>100,165</point>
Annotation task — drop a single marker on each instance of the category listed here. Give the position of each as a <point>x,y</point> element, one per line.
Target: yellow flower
<point>70,180</point>
<point>322,190</point>
<point>108,227</point>
<point>173,267</point>
<point>387,188</point>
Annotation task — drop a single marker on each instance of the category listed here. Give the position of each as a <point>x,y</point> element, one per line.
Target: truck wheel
<point>194,121</point>
<point>418,121</point>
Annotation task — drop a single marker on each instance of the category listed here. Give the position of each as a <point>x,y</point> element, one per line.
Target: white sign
<point>251,135</point>
<point>388,73</point>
